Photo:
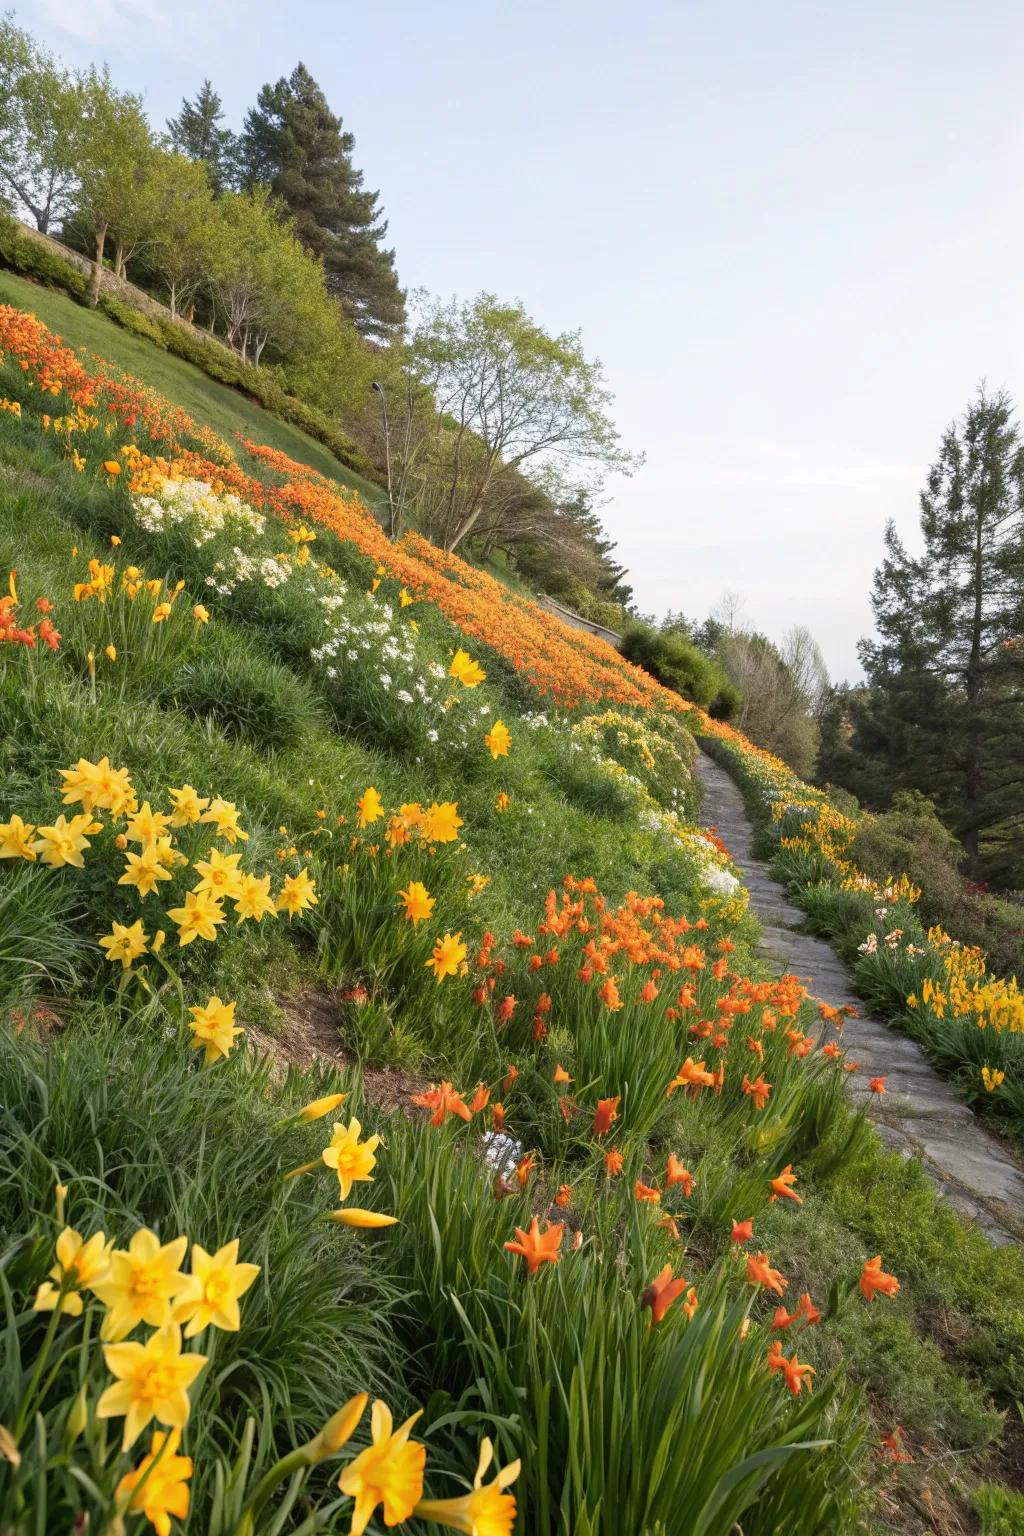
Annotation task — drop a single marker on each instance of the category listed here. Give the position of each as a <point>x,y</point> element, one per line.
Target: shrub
<point>132,319</point>
<point>23,254</point>
<point>676,664</point>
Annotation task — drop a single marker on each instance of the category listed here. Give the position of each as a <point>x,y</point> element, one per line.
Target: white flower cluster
<point>195,505</point>
<point>239,567</point>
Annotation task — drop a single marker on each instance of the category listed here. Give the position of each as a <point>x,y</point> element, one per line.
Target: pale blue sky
<point>792,232</point>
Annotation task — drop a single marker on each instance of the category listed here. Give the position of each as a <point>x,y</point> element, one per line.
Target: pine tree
<point>292,142</point>
<point>197,132</point>
<point>947,668</point>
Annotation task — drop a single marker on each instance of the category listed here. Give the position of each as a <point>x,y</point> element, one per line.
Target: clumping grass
<point>573,869</point>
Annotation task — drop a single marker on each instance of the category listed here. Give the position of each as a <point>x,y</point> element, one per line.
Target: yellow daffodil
<point>388,1472</point>
<point>198,918</point>
<point>441,823</point>
<point>317,1108</point>
<point>498,740</point>
<point>141,1282</point>
<point>200,614</point>
<point>503,802</point>
<point>362,1220</point>
<point>417,901</point>
<point>16,839</point>
<point>209,1296</point>
<point>110,652</point>
<point>152,1381</point>
<point>98,786</point>
<point>339,1429</point>
<point>254,899</point>
<point>144,870</point>
<point>125,943</point>
<point>220,874</point>
<point>161,612</point>
<point>297,894</point>
<point>448,955</point>
<point>486,1511</point>
<point>405,601</point>
<point>465,670</point>
<point>158,1487</point>
<point>188,806</point>
<point>65,842</point>
<point>992,1078</point>
<point>146,825</point>
<point>224,816</point>
<point>369,806</point>
<point>80,1264</point>
<point>351,1159</point>
<point>214,1028</point>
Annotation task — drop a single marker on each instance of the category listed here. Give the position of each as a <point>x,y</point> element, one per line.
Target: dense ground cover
<point>930,984</point>
<point>621,1223</point>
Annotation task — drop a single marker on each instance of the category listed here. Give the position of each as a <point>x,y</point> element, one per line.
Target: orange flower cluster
<point>13,633</point>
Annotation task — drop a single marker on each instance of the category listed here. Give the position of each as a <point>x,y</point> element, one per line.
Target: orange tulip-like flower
<point>538,1247</point>
<point>661,1293</point>
<point>613,1161</point>
<point>506,1008</point>
<point>693,1075</point>
<point>561,1075</point>
<point>498,1116</point>
<point>443,1100</point>
<point>782,1187</point>
<point>677,1174</point>
<point>874,1279</point>
<point>417,902</point>
<point>370,806</point>
<point>498,740</point>
<point>606,1113</point>
<point>564,1195</point>
<point>760,1272</point>
<point>525,1167</point>
<point>480,1098</point>
<point>757,1090</point>
<point>609,995</point>
<point>742,1232</point>
<point>877,1085</point>
<point>648,1194</point>
<point>796,1374</point>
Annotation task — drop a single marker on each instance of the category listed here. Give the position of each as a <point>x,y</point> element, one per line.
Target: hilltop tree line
<point>491,434</point>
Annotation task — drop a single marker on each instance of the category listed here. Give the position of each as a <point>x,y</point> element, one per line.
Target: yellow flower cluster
<point>99,788</point>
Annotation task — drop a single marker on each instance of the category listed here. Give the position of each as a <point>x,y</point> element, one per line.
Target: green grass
<point>207,402</point>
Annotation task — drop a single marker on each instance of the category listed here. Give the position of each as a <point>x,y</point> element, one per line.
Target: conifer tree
<point>198,132</point>
<point>947,667</point>
<point>293,143</point>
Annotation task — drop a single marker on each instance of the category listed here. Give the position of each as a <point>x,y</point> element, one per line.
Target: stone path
<point>919,1114</point>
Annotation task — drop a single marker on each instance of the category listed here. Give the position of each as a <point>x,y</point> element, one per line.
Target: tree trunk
<point>97,267</point>
<point>119,260</point>
<point>173,296</point>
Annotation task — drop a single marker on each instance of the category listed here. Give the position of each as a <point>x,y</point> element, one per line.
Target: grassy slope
<point>956,1291</point>
<point>215,405</point>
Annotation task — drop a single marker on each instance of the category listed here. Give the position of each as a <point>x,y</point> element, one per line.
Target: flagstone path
<point>919,1114</point>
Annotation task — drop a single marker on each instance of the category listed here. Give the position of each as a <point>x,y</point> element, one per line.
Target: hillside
<point>300,827</point>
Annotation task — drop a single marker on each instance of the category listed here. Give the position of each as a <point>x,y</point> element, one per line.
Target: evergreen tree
<point>198,132</point>
<point>293,143</point>
<point>946,703</point>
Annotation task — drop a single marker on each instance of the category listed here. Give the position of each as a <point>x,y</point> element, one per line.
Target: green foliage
<point>293,143</point>
<point>132,319</point>
<point>247,695</point>
<point>944,712</point>
<point>20,252</point>
<point>1000,1510</point>
<point>678,665</point>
